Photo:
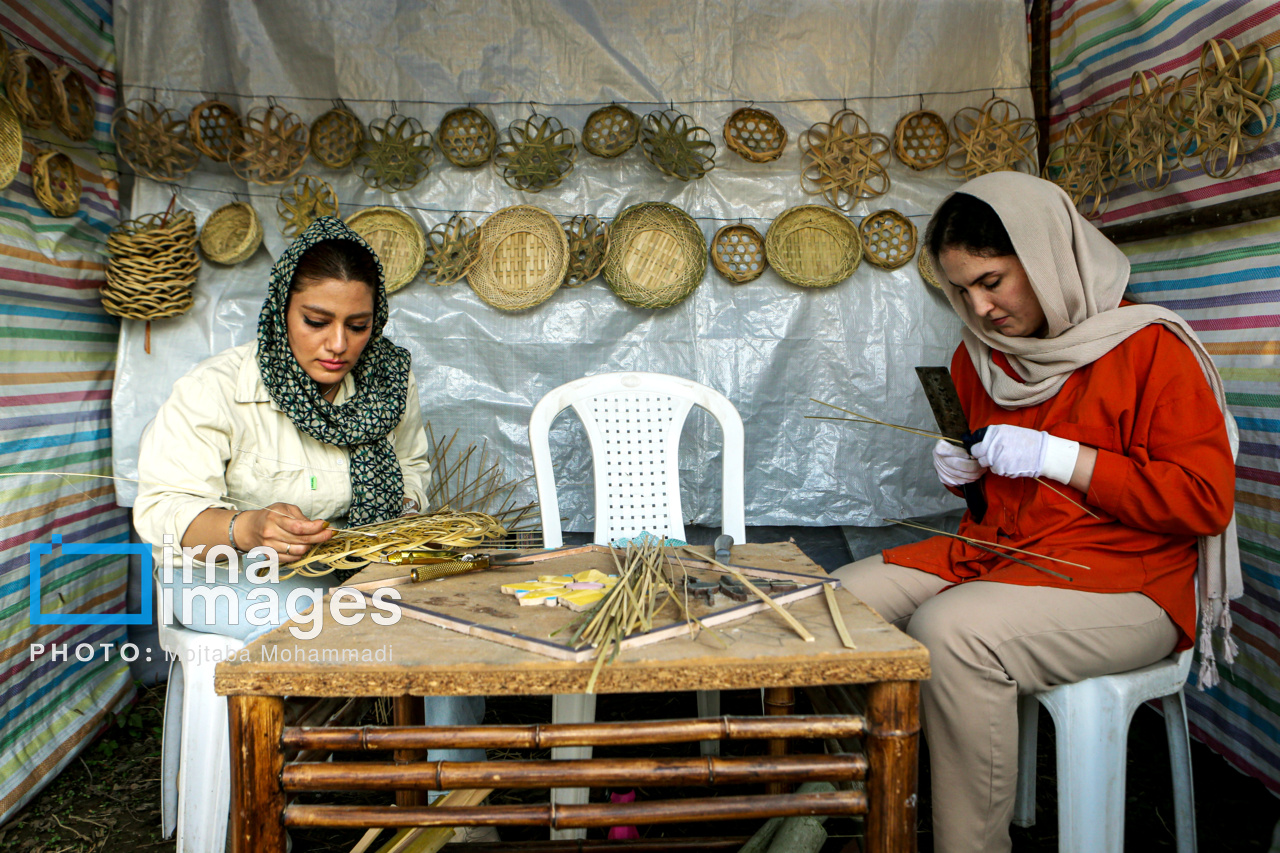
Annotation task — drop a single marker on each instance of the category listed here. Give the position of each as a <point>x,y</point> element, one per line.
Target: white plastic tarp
<point>768,346</point>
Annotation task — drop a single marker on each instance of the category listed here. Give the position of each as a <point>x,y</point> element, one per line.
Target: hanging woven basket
<point>73,107</point>
<point>676,146</point>
<point>396,154</point>
<point>992,138</point>
<point>1080,165</point>
<point>10,143</point>
<point>657,255</point>
<point>522,259</point>
<point>588,248</point>
<point>304,201</point>
<point>273,148</point>
<point>888,239</point>
<point>216,130</point>
<point>925,266</point>
<point>452,248</point>
<point>30,88</point>
<point>231,234</point>
<point>737,253</point>
<point>154,141</point>
<point>610,131</point>
<point>55,183</point>
<point>397,239</point>
<point>336,137</point>
<point>151,267</point>
<point>813,246</point>
<point>536,153</point>
<point>843,161</point>
<point>921,140</point>
<point>755,135</point>
<point>466,137</point>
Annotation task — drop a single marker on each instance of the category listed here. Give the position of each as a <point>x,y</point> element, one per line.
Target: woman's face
<point>997,290</point>
<point>329,322</point>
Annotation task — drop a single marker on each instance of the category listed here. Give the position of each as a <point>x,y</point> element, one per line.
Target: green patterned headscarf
<point>364,421</point>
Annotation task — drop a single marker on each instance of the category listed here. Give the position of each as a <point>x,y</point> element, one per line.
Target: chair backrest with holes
<point>634,421</point>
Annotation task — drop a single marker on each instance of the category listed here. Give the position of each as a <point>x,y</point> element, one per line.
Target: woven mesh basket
<point>657,255</point>
<point>813,246</point>
<point>154,141</point>
<point>304,201</point>
<point>535,153</point>
<point>30,88</point>
<point>522,260</point>
<point>55,183</point>
<point>676,146</point>
<point>215,129</point>
<point>151,267</point>
<point>737,253</point>
<point>231,234</point>
<point>396,238</point>
<point>925,266</point>
<point>843,160</point>
<point>452,248</point>
<point>610,131</point>
<point>888,239</point>
<point>10,143</point>
<point>921,140</point>
<point>73,108</point>
<point>272,148</point>
<point>588,249</point>
<point>466,137</point>
<point>755,135</point>
<point>396,154</point>
<point>336,137</point>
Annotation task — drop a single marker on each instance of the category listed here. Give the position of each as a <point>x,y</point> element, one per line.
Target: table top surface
<point>412,657</point>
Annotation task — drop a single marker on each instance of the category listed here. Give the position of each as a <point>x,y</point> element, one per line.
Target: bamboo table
<point>411,659</point>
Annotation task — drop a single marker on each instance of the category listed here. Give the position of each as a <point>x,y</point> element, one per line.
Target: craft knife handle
<point>974,496</point>
<point>722,546</point>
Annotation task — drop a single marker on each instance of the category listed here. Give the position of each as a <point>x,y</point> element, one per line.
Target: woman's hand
<point>1013,451</point>
<point>283,527</point>
<point>954,465</point>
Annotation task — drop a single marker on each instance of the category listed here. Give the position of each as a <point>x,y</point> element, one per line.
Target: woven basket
<point>1230,112</point>
<point>55,183</point>
<point>588,249</point>
<point>73,108</point>
<point>215,129</point>
<point>993,138</point>
<point>813,246</point>
<point>921,140</point>
<point>657,255</point>
<point>452,248</point>
<point>888,239</point>
<point>1081,164</point>
<point>536,153</point>
<point>522,260</point>
<point>755,135</point>
<point>231,234</point>
<point>843,160</point>
<point>737,253</point>
<point>336,137</point>
<point>272,148</point>
<point>151,267</point>
<point>611,131</point>
<point>10,143</point>
<point>925,266</point>
<point>30,88</point>
<point>304,201</point>
<point>396,154</point>
<point>676,146</point>
<point>466,137</point>
<point>154,141</point>
<point>396,238</point>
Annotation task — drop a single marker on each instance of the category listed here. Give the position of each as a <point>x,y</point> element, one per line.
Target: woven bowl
<point>396,154</point>
<point>523,257</point>
<point>10,143</point>
<point>231,234</point>
<point>921,140</point>
<point>466,137</point>
<point>304,201</point>
<point>588,248</point>
<point>30,88</point>
<point>55,183</point>
<point>73,107</point>
<point>737,253</point>
<point>215,130</point>
<point>755,135</point>
<point>336,138</point>
<point>657,255</point>
<point>151,267</point>
<point>813,246</point>
<point>536,153</point>
<point>925,266</point>
<point>676,146</point>
<point>610,131</point>
<point>453,247</point>
<point>272,148</point>
<point>396,238</point>
<point>888,239</point>
<point>154,141</point>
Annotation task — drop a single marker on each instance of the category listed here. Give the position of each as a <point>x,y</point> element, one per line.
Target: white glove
<point>1014,451</point>
<point>954,465</point>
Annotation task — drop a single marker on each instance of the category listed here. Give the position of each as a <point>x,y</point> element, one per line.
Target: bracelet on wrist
<point>231,529</point>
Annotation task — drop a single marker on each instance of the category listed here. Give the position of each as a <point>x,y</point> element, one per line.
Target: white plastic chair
<point>195,792</point>
<point>633,421</point>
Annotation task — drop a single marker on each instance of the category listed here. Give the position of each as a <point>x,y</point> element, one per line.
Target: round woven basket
<point>610,131</point>
<point>10,143</point>
<point>73,107</point>
<point>888,239</point>
<point>523,257</point>
<point>536,153</point>
<point>737,253</point>
<point>842,160</point>
<point>215,130</point>
<point>396,154</point>
<point>231,234</point>
<point>452,248</point>
<point>55,183</point>
<point>304,201</point>
<point>396,238</point>
<point>677,146</point>
<point>151,267</point>
<point>925,266</point>
<point>657,255</point>
<point>755,135</point>
<point>273,146</point>
<point>921,140</point>
<point>466,137</point>
<point>30,88</point>
<point>154,141</point>
<point>336,137</point>
<point>588,248</point>
<point>813,246</point>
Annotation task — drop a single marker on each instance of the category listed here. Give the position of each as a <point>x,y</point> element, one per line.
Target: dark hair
<point>344,260</point>
<point>967,222</point>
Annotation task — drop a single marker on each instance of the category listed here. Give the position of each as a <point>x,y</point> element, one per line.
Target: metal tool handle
<point>722,547</point>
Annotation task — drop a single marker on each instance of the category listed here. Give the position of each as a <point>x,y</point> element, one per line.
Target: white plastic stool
<point>195,792</point>
<point>1091,719</point>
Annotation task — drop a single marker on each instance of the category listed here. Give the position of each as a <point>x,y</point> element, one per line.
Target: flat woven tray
<point>10,143</point>
<point>657,255</point>
<point>813,246</point>
<point>396,238</point>
<point>231,234</point>
<point>523,258</point>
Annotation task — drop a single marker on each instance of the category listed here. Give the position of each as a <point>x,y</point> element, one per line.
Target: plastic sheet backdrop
<point>1225,283</point>
<point>767,347</point>
<point>58,349</point>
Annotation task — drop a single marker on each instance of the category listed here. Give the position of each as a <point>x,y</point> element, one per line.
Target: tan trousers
<point>989,643</point>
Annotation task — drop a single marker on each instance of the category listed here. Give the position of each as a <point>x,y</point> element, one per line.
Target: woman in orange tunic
<point>1119,408</point>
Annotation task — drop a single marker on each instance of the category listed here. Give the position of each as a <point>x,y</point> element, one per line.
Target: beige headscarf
<point>1080,276</point>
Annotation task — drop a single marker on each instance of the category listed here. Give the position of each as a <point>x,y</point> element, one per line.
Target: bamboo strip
<point>787,617</point>
<point>830,593</point>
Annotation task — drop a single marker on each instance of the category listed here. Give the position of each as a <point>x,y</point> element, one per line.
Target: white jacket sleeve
<point>412,451</point>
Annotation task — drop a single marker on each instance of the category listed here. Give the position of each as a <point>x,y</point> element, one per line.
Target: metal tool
<point>704,590</point>
<point>940,390</point>
<point>426,557</point>
<point>723,545</point>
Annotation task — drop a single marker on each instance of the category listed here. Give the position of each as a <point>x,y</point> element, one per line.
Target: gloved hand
<point>954,465</point>
<point>1014,451</point>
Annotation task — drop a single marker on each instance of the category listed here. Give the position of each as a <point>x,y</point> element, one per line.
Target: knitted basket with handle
<point>55,183</point>
<point>30,88</point>
<point>231,234</point>
<point>755,135</point>
<point>396,238</point>
<point>657,255</point>
<point>813,246</point>
<point>522,258</point>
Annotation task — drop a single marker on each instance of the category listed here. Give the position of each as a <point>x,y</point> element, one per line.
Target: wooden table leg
<point>778,701</point>
<point>257,760</point>
<point>409,711</point>
<point>893,745</point>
